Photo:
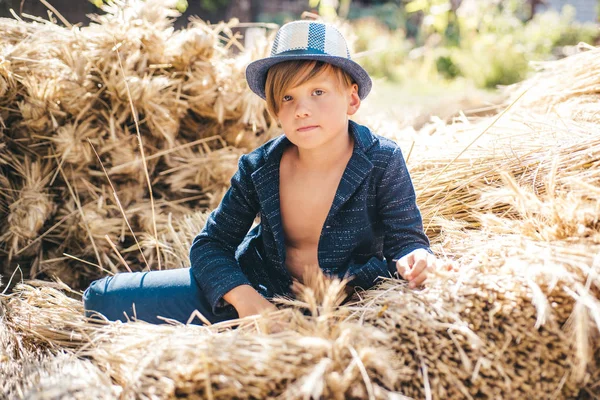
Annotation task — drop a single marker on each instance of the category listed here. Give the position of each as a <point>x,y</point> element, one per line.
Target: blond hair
<point>289,74</point>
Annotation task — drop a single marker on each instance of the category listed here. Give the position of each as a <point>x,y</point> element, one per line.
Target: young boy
<point>330,194</point>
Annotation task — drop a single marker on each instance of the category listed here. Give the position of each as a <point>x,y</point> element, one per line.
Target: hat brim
<point>256,72</point>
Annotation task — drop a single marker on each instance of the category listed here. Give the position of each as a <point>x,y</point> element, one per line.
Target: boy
<point>330,194</point>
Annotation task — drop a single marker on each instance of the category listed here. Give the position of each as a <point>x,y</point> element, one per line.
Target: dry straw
<point>514,199</point>
<point>569,87</point>
<point>168,113</point>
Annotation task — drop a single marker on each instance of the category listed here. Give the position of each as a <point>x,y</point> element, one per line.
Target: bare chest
<point>305,201</point>
<point>304,208</point>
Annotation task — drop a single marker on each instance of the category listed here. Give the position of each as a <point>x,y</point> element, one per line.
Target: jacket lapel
<point>266,182</point>
<point>357,169</point>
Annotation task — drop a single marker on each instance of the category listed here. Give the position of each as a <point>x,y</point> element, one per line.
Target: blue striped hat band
<point>314,36</point>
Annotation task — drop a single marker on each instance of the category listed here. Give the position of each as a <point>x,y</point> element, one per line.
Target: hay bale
<point>46,379</point>
<point>112,115</point>
<point>29,203</point>
<point>513,199</point>
<point>569,87</point>
<point>319,355</point>
<point>493,329</point>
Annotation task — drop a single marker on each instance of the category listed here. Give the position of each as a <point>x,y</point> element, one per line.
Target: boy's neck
<point>326,156</point>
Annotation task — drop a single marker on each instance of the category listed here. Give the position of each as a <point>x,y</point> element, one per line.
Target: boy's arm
<point>247,301</point>
<point>397,205</point>
<point>402,223</point>
<point>212,254</point>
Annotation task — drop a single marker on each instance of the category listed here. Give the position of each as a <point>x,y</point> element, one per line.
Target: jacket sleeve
<point>401,219</point>
<point>212,254</point>
<point>397,205</point>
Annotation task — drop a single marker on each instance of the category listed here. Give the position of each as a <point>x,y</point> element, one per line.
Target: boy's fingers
<point>418,280</point>
<point>432,261</point>
<point>419,274</point>
<point>446,265</point>
<point>418,267</point>
<point>403,267</point>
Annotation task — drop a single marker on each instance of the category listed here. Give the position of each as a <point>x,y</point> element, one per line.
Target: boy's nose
<point>302,110</point>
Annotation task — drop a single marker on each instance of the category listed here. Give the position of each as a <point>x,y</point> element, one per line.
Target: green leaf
<point>327,11</point>
<point>181,5</point>
<point>416,5</point>
<point>440,23</point>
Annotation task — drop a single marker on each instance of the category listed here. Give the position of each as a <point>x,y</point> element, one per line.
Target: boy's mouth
<point>307,128</point>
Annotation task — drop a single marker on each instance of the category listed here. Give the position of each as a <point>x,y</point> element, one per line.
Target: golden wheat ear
<point>318,293</point>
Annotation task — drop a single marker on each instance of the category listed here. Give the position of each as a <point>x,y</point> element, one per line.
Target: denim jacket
<point>373,220</point>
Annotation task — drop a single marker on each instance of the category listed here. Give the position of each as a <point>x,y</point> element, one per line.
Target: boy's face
<point>316,111</point>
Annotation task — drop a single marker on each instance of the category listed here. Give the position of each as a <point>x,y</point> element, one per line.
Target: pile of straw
<point>569,87</point>
<point>92,117</point>
<point>514,199</point>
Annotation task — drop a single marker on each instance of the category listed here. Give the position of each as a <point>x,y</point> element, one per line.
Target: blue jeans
<point>172,294</point>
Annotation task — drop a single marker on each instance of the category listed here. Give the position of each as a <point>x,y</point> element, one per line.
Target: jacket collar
<point>266,180</point>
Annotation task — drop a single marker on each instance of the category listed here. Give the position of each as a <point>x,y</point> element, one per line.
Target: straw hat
<point>308,40</point>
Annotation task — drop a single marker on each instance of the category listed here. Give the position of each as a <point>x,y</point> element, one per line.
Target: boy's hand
<point>247,301</point>
<point>254,306</point>
<point>416,265</point>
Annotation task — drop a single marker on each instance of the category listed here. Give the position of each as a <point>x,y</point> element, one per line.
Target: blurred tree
<point>533,4</point>
<point>213,5</point>
<point>327,8</point>
<point>331,8</point>
<point>439,17</point>
<point>344,8</point>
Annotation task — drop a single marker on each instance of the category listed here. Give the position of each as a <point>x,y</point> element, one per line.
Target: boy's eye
<point>287,97</point>
<point>318,92</point>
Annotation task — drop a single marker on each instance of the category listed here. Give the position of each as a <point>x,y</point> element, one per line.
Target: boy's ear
<point>353,100</point>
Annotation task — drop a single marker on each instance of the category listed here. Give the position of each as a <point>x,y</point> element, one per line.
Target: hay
<point>514,199</point>
<point>569,87</point>
<point>33,371</point>
<point>494,329</point>
<point>521,158</point>
<point>330,355</point>
<point>46,380</point>
<point>29,203</point>
<point>161,108</point>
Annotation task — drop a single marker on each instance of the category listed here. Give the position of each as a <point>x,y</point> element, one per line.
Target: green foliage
<point>181,6</point>
<point>570,33</point>
<point>213,5</point>
<point>497,51</point>
<point>492,60</point>
<point>385,49</point>
<point>326,8</point>
<point>446,66</point>
<point>488,42</point>
<point>437,17</point>
<point>390,14</point>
